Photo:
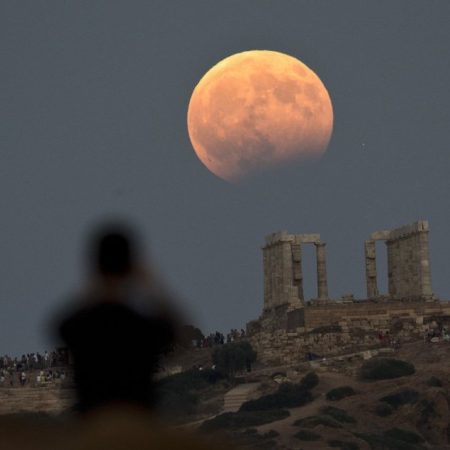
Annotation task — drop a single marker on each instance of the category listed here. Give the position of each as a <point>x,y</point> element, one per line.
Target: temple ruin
<point>291,325</point>
<point>283,276</point>
<point>408,262</point>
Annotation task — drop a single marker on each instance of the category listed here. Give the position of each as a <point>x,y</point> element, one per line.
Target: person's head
<point>113,251</point>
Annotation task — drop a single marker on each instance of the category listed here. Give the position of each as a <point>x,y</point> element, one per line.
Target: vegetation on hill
<point>404,435</point>
<point>234,357</point>
<point>340,393</point>
<point>314,421</point>
<point>242,419</point>
<point>251,439</point>
<point>393,439</point>
<point>434,382</point>
<point>383,410</point>
<point>288,395</point>
<point>179,394</point>
<point>427,410</point>
<point>400,398</point>
<point>310,380</point>
<point>307,435</point>
<point>338,414</point>
<point>267,408</point>
<point>188,334</point>
<point>190,380</point>
<point>343,445</point>
<point>385,369</point>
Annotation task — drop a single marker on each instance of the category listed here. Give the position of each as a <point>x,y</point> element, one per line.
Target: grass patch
<point>313,421</point>
<point>385,369</point>
<point>307,435</point>
<point>288,395</point>
<point>338,414</point>
<point>340,393</point>
<point>243,419</point>
<point>343,445</point>
<point>403,397</point>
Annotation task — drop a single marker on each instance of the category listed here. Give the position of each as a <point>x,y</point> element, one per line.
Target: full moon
<point>256,110</point>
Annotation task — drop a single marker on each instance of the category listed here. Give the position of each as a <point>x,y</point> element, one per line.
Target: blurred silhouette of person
<point>122,326</point>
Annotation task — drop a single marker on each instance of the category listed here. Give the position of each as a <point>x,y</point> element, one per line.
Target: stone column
<point>297,269</point>
<point>322,285</point>
<point>371,268</point>
<point>425,274</point>
<point>392,266</point>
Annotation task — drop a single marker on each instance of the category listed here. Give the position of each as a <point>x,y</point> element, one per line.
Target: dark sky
<point>93,107</point>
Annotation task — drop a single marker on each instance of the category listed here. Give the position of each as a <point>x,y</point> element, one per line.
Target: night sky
<point>93,104</point>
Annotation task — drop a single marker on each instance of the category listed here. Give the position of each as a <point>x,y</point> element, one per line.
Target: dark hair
<point>113,250</point>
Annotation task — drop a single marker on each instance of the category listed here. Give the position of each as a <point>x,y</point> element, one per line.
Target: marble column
<point>425,273</point>
<point>371,268</point>
<point>322,285</point>
<point>297,269</point>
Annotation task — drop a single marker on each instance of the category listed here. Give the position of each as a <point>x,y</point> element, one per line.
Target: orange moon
<point>258,109</point>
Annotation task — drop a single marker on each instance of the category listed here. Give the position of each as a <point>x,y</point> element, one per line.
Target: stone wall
<point>339,328</point>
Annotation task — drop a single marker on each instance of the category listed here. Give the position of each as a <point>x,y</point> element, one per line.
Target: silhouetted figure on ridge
<point>120,329</point>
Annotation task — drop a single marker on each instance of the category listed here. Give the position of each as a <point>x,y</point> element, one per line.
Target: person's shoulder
<point>75,317</point>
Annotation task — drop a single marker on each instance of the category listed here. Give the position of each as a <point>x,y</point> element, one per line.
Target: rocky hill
<point>347,406</point>
<point>348,412</point>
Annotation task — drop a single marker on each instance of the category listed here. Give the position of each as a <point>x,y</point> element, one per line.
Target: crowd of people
<point>41,368</point>
<point>34,361</point>
<point>387,340</point>
<point>33,368</point>
<point>437,334</point>
<point>23,378</point>
<point>219,338</point>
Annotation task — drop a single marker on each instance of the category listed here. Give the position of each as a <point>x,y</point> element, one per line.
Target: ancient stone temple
<point>291,325</point>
